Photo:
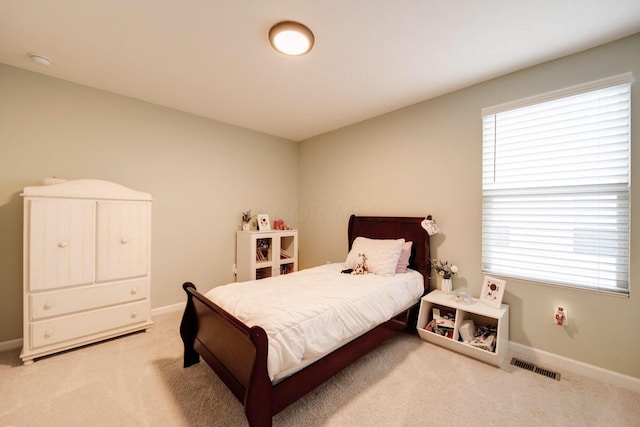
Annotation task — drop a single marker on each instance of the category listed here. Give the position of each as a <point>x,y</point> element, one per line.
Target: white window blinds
<point>555,187</point>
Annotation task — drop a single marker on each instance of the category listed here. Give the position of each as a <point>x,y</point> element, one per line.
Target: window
<point>555,187</point>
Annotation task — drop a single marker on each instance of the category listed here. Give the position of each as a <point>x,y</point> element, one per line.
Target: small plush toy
<point>361,265</point>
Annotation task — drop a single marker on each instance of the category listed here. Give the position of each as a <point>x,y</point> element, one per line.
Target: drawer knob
<point>48,333</point>
<point>134,314</point>
<point>48,305</point>
<point>124,240</point>
<point>134,291</point>
<point>62,244</point>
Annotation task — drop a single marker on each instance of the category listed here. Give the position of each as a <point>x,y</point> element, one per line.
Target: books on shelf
<point>262,255</point>
<point>262,249</point>
<point>284,254</point>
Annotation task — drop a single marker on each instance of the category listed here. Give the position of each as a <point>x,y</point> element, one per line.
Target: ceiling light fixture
<point>40,59</point>
<point>291,38</point>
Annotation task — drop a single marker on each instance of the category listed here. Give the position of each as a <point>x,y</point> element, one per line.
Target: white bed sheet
<point>309,313</point>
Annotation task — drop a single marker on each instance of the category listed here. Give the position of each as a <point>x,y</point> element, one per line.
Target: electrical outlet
<point>560,316</point>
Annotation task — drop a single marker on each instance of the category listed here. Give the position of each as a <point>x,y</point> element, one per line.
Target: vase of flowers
<point>246,218</point>
<point>446,271</point>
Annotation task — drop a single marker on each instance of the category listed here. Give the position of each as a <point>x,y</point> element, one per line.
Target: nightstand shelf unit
<point>481,314</point>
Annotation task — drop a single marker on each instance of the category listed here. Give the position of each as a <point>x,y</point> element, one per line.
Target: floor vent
<point>533,368</point>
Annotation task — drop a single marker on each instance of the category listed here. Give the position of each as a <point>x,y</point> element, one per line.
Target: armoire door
<point>61,243</point>
<point>123,240</point>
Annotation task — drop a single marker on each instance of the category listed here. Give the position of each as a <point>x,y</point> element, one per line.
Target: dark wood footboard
<point>236,353</point>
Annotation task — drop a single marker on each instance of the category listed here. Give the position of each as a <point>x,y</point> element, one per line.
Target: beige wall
<point>426,159</point>
<point>201,173</point>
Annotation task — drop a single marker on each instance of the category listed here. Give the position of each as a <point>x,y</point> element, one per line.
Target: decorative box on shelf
<point>478,330</point>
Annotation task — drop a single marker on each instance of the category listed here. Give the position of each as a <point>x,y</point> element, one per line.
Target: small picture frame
<point>492,291</point>
<point>263,222</point>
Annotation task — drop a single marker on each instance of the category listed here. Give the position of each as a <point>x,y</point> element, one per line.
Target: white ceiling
<point>212,57</point>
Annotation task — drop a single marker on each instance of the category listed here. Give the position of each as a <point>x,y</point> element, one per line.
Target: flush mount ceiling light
<point>40,59</point>
<point>291,38</point>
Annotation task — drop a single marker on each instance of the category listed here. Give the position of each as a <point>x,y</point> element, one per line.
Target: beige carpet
<point>138,380</point>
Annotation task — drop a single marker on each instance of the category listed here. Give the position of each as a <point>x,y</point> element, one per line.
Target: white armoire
<point>86,264</point>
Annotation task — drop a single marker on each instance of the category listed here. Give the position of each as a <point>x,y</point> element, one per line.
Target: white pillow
<point>382,254</point>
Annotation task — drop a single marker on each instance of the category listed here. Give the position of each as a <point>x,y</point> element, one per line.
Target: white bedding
<point>310,313</point>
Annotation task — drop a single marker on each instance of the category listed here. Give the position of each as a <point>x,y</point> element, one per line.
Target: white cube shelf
<point>261,254</point>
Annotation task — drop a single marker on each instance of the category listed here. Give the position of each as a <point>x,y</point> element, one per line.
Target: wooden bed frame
<point>238,353</point>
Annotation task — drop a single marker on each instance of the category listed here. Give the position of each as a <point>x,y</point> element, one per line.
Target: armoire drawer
<point>78,326</point>
<point>49,304</point>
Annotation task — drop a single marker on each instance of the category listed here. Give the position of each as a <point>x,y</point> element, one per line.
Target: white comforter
<point>312,312</point>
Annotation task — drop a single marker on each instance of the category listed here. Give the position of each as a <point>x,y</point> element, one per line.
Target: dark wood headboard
<point>389,227</point>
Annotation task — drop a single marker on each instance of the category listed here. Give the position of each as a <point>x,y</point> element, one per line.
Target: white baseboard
<point>561,363</point>
<point>168,309</point>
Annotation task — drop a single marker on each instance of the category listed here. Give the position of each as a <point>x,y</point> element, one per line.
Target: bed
<point>238,353</point>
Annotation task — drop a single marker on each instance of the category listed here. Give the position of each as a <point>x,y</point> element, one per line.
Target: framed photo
<point>263,222</point>
<point>492,291</point>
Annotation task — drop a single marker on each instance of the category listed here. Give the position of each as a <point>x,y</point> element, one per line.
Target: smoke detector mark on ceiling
<point>40,59</point>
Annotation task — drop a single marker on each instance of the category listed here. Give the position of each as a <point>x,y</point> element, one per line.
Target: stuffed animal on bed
<point>361,265</point>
